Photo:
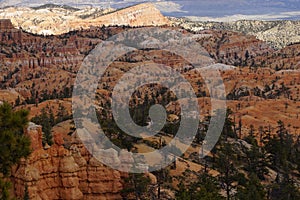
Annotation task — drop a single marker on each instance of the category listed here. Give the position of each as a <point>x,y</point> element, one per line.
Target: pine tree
<point>252,190</point>
<point>256,162</point>
<point>285,189</point>
<point>280,147</point>
<point>4,187</point>
<point>206,188</point>
<point>228,126</point>
<point>45,121</point>
<point>182,193</point>
<point>209,188</point>
<point>226,159</point>
<point>13,143</point>
<point>136,184</point>
<point>26,195</point>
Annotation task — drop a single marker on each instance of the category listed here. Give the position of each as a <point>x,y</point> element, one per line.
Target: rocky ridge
<point>48,20</point>
<point>278,34</point>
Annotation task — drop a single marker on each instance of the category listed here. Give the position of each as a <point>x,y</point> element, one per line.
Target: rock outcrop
<point>61,173</point>
<point>5,24</point>
<point>34,132</point>
<point>8,33</point>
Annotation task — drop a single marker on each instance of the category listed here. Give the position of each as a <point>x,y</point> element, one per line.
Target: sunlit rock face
<point>58,20</point>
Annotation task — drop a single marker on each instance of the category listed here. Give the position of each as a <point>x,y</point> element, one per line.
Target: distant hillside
<point>276,33</point>
<point>51,19</point>
<point>35,3</point>
<point>50,5</point>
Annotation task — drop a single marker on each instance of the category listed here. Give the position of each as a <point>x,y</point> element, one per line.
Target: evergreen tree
<point>62,114</point>
<point>280,146</point>
<point>182,193</point>
<point>252,190</point>
<point>45,121</point>
<point>26,195</point>
<point>285,189</point>
<point>136,184</point>
<point>207,188</point>
<point>13,144</point>
<point>225,164</point>
<point>4,187</point>
<point>228,126</point>
<point>18,101</point>
<point>256,162</point>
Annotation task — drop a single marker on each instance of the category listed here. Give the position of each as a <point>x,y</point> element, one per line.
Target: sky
<point>209,9</point>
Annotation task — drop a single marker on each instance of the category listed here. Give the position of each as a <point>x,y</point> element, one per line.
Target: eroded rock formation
<point>8,33</point>
<point>59,173</point>
<point>5,24</point>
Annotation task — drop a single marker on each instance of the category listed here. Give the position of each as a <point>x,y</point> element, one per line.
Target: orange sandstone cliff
<point>58,172</point>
